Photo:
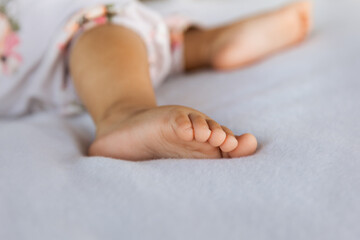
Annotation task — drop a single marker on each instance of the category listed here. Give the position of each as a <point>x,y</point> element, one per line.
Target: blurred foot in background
<point>249,40</point>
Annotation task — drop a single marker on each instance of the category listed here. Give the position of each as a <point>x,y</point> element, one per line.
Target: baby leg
<point>110,69</point>
<point>247,41</point>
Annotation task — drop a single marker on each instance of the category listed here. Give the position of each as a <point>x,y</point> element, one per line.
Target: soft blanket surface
<point>303,183</point>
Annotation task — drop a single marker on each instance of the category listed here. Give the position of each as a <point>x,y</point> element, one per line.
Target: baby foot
<point>169,132</point>
<point>250,40</point>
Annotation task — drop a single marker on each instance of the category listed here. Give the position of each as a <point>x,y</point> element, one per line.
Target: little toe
<point>218,135</point>
<point>183,127</point>
<point>230,142</point>
<point>247,146</point>
<point>201,128</point>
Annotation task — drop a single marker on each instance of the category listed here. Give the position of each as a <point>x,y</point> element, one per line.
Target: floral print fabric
<point>36,39</point>
<point>10,59</point>
<point>86,19</point>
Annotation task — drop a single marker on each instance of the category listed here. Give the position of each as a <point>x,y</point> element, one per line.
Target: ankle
<point>197,49</point>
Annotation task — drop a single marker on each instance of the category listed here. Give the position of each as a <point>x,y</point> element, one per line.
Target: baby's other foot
<point>250,40</point>
<point>168,132</point>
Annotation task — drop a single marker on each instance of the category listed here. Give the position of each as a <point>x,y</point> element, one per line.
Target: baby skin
<point>110,70</point>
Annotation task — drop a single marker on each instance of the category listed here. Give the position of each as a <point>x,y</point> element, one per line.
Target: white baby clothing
<point>36,37</point>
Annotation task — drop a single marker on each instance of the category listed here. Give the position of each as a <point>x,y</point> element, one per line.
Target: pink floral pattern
<point>86,19</point>
<point>177,26</point>
<point>98,15</point>
<point>10,59</point>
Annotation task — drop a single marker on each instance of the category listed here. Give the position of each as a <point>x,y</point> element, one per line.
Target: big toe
<point>247,145</point>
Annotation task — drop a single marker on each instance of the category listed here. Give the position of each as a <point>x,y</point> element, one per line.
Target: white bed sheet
<point>303,105</point>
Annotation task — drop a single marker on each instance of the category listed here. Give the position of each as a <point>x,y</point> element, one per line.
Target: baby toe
<point>218,135</point>
<point>230,142</point>
<point>201,128</point>
<point>247,146</point>
<point>183,126</point>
